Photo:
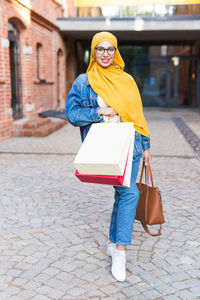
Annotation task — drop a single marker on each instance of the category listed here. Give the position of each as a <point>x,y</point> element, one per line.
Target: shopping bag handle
<point>110,118</point>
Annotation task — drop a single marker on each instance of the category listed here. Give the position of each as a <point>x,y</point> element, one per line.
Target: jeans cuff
<point>122,243</point>
<point>112,241</point>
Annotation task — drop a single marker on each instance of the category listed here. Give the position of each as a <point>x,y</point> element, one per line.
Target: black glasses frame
<point>105,49</point>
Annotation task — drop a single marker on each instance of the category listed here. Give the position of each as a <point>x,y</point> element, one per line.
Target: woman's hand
<point>147,156</point>
<point>107,111</point>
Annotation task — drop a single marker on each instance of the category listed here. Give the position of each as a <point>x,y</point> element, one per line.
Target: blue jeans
<point>124,209</point>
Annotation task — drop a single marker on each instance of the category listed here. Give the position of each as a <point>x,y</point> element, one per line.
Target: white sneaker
<point>119,265</point>
<point>110,248</point>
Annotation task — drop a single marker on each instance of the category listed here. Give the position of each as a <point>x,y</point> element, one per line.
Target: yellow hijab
<point>117,88</point>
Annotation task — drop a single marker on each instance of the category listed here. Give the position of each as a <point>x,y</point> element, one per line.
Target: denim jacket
<point>82,110</point>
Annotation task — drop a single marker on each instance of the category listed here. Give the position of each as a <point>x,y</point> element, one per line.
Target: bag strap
<point>142,171</point>
<point>149,232</point>
<point>148,173</point>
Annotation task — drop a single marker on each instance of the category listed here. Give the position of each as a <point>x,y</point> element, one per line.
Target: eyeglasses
<point>100,50</point>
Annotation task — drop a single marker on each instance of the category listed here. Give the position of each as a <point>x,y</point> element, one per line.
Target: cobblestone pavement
<point>53,228</point>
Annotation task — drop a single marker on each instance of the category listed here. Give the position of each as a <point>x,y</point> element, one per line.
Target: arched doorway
<point>59,54</point>
<point>15,72</point>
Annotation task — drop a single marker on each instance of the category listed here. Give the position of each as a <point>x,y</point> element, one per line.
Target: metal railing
<point>150,10</point>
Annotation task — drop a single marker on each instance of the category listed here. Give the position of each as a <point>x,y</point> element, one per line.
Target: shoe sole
<point>117,278</point>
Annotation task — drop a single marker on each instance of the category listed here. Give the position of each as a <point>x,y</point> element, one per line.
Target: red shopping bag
<point>103,179</point>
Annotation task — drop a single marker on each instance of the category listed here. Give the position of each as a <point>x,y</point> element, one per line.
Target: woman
<point>106,90</point>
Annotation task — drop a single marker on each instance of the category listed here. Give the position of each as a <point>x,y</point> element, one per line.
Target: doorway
<point>59,54</point>
<point>164,77</point>
<point>164,80</point>
<point>183,81</point>
<point>15,72</point>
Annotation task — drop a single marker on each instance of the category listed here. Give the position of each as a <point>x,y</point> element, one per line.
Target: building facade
<point>159,42</point>
<point>32,60</point>
<point>45,44</point>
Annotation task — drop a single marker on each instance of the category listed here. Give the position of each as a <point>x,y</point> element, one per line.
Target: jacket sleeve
<point>76,114</point>
<point>145,142</point>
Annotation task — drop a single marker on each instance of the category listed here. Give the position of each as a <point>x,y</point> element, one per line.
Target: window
<point>39,62</point>
<point>15,71</point>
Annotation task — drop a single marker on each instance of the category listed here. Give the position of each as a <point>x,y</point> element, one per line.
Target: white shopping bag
<point>123,180</point>
<point>127,177</point>
<point>105,149</point>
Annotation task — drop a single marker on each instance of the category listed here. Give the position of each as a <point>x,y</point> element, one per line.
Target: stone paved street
<point>53,228</point>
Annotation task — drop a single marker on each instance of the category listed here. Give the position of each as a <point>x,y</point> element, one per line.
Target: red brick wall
<point>5,111</point>
<point>49,9</point>
<point>70,8</point>
<point>44,94</point>
<point>33,29</point>
<point>70,64</point>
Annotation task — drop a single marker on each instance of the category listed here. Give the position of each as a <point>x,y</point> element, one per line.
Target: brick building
<point>45,44</point>
<point>33,55</point>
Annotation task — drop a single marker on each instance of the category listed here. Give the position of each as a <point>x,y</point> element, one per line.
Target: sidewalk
<point>53,228</point>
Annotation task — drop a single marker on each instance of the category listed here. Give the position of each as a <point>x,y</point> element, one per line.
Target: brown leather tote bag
<point>149,209</point>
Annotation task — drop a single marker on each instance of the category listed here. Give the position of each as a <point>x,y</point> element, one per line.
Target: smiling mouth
<point>105,61</point>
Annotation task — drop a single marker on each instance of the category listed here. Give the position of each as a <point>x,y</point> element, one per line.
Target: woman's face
<point>105,54</point>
